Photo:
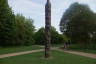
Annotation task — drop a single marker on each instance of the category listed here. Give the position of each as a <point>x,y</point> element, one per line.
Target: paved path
<point>90,55</point>
<point>19,53</point>
<point>28,52</point>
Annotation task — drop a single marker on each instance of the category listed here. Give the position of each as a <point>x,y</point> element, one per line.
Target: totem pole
<point>47,28</point>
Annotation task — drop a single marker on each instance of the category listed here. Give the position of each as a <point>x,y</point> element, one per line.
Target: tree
<point>56,38</point>
<point>40,36</point>
<point>78,23</point>
<point>29,32</point>
<point>24,31</point>
<point>7,24</point>
<point>14,30</point>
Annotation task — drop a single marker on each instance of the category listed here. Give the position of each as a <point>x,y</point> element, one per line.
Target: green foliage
<point>7,24</point>
<point>40,36</point>
<point>78,23</point>
<point>24,31</point>
<point>65,38</point>
<point>14,30</point>
<point>56,38</point>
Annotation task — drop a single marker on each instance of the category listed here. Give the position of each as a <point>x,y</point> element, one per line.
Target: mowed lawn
<point>85,50</point>
<point>78,48</point>
<point>18,49</point>
<point>57,58</point>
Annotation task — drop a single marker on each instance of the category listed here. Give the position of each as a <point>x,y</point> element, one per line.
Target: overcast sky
<point>35,9</point>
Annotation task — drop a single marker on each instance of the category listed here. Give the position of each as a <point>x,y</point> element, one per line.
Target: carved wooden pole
<point>47,28</point>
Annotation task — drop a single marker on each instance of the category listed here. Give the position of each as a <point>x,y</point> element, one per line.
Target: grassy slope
<point>18,49</point>
<point>58,58</point>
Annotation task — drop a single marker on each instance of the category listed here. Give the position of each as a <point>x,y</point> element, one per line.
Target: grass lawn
<point>85,50</point>
<point>57,58</point>
<point>18,49</point>
<point>78,48</point>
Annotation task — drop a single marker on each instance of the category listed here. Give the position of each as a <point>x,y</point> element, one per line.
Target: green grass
<point>85,50</point>
<point>18,49</point>
<point>78,48</point>
<point>57,58</point>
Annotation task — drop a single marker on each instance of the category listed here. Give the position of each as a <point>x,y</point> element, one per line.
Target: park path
<point>19,53</point>
<point>71,52</point>
<point>90,55</point>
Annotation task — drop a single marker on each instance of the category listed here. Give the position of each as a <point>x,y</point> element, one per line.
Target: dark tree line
<point>14,29</point>
<point>79,24</point>
<point>7,21</point>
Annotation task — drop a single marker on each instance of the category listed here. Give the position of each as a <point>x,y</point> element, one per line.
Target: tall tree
<point>24,30</point>
<point>78,23</point>
<point>7,21</point>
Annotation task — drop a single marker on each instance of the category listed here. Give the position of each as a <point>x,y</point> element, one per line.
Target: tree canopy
<point>78,23</point>
<point>24,30</point>
<point>7,21</point>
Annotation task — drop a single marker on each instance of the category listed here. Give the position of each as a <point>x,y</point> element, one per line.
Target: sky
<point>35,9</point>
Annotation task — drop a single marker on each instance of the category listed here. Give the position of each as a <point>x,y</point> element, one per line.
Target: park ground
<point>57,57</point>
